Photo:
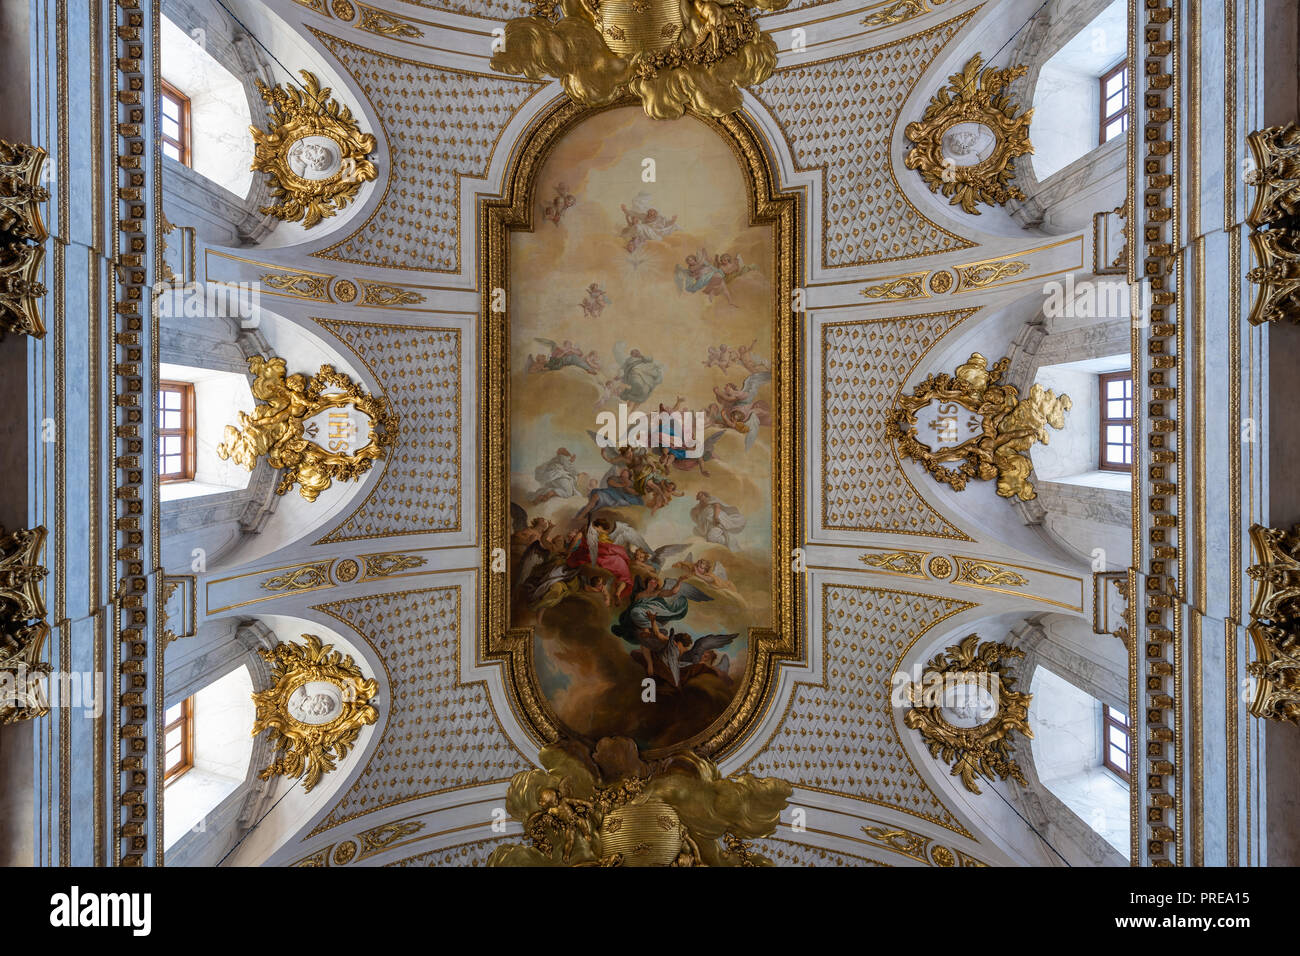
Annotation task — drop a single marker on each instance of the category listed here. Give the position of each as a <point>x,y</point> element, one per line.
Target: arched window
<point>205,112</point>
<point>194,407</point>
<point>216,719</point>
<point>1071,750</point>
<point>1085,77</point>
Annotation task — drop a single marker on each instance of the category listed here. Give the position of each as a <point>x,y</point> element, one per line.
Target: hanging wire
<point>1046,842</point>
<point>268,812</point>
<point>292,77</point>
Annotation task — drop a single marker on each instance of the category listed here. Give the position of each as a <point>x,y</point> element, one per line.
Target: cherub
<point>563,201</point>
<point>559,813</point>
<point>711,573</point>
<point>595,301</point>
<point>721,357</point>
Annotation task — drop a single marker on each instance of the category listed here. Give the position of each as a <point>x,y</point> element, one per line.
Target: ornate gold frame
<point>972,97</point>
<point>497,218</point>
<point>984,750</point>
<point>277,427</point>
<point>303,749</point>
<point>1010,426</point>
<point>296,114</point>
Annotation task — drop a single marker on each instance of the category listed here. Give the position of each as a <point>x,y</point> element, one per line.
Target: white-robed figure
<point>557,478</point>
<point>717,522</point>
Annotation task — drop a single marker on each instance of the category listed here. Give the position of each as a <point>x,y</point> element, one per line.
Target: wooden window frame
<point>185,432</point>
<point>1104,119</point>
<point>186,724</point>
<point>1103,420</point>
<point>1107,722</point>
<point>183,145</point>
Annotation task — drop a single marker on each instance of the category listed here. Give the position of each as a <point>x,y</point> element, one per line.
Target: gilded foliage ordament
<point>1010,426</point>
<point>299,119</point>
<point>986,748</point>
<point>304,749</point>
<point>278,427</point>
<point>672,55</point>
<point>975,98</point>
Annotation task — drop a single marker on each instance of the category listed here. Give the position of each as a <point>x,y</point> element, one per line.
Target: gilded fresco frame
<point>513,210</point>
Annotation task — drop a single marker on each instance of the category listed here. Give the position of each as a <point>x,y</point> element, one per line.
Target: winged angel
<point>673,55</point>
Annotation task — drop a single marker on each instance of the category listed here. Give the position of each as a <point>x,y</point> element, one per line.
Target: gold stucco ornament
<point>968,137</point>
<point>966,709</point>
<point>976,427</point>
<point>310,427</point>
<point>314,709</point>
<point>313,150</point>
<point>607,807</point>
<point>673,55</point>
<point>1275,623</point>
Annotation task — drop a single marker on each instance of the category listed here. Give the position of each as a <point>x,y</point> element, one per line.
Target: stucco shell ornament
<point>673,55</point>
<point>313,150</point>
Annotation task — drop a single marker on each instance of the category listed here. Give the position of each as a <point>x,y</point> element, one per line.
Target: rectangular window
<point>1114,102</point>
<point>1115,401</point>
<point>175,431</point>
<point>175,128</point>
<point>178,740</point>
<point>1115,741</point>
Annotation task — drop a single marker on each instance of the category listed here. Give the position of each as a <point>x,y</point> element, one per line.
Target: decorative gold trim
<point>1009,427</point>
<point>898,12</point>
<point>940,568</point>
<point>981,275</point>
<point>184,612</point>
<point>986,574</point>
<point>21,289</point>
<point>972,97</point>
<point>309,750</point>
<point>304,577</point>
<point>21,192</point>
<point>1277,252</point>
<point>896,562</point>
<point>911,286</point>
<point>941,282</point>
<point>22,628</point>
<point>1275,623</point>
<point>296,118</point>
<point>497,218</point>
<point>278,427</point>
<point>671,55</point>
<point>384,565</point>
<point>382,294</point>
<point>984,750</point>
<point>1275,152</point>
<point>301,285</point>
<point>385,24</point>
<point>916,846</point>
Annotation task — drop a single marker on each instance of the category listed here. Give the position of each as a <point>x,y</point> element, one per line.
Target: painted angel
<point>643,223</point>
<point>715,521</point>
<point>595,301</point>
<point>639,373</point>
<point>562,356</point>
<point>556,477</point>
<point>709,572</point>
<point>560,204</point>
<point>740,408</point>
